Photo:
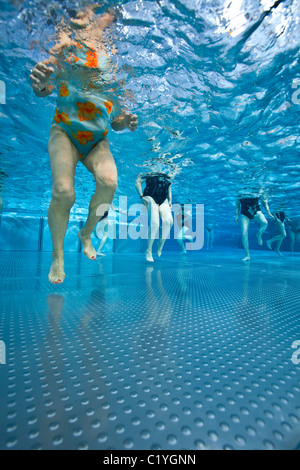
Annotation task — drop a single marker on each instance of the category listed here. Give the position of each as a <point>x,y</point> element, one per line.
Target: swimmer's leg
<point>167,223</point>
<point>101,164</point>
<point>297,239</point>
<point>180,241</point>
<point>211,238</point>
<point>245,222</point>
<point>292,240</point>
<point>279,238</point>
<point>153,216</point>
<point>207,239</point>
<point>104,238</point>
<point>260,218</point>
<point>63,160</point>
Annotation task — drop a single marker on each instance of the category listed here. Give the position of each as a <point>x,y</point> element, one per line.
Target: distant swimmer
<point>209,229</point>
<point>294,231</point>
<point>249,207</point>
<point>157,197</point>
<point>279,218</point>
<point>2,176</point>
<point>184,220</point>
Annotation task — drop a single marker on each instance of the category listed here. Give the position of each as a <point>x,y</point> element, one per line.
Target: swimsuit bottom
<point>280,216</point>
<point>157,186</point>
<point>158,198</point>
<point>250,207</point>
<point>84,116</point>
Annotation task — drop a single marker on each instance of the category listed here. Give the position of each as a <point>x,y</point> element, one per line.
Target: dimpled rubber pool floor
<point>191,352</point>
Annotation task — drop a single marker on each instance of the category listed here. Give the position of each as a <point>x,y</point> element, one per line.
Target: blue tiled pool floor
<point>191,352</point>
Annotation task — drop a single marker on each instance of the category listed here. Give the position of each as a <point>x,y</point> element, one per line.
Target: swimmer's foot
<point>88,248</point>
<point>57,271</point>
<point>247,258</point>
<point>269,245</point>
<point>183,252</point>
<point>278,252</point>
<point>160,247</point>
<point>100,254</point>
<point>259,239</point>
<point>149,256</point>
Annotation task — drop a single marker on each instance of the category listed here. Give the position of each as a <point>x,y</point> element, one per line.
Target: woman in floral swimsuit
<point>80,126</point>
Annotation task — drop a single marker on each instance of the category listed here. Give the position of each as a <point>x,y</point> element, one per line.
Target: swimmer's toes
<point>90,253</point>
<point>88,248</point>
<point>56,279</point>
<point>57,273</point>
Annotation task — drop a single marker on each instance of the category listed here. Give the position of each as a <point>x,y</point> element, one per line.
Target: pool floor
<point>191,352</point>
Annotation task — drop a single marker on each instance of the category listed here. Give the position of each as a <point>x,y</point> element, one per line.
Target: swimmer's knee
<point>108,180</point>
<point>64,192</point>
<point>154,223</point>
<point>168,220</point>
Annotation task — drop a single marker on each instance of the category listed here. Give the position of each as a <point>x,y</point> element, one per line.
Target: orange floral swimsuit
<point>82,114</point>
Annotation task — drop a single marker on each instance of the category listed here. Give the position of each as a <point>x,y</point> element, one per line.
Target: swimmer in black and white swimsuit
<point>157,196</point>
<point>250,209</point>
<point>279,218</point>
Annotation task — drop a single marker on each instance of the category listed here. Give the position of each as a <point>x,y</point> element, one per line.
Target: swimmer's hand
<point>125,121</point>
<point>39,79</point>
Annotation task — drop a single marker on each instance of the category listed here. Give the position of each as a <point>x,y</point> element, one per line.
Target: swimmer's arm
<point>266,206</point>
<point>170,196</point>
<point>138,184</point>
<point>237,210</point>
